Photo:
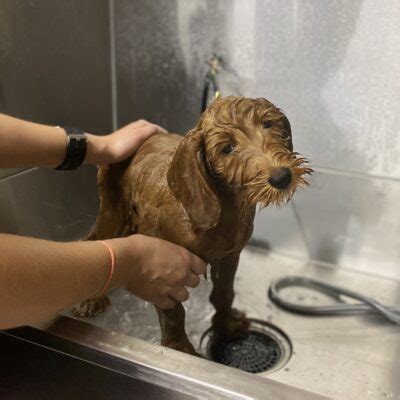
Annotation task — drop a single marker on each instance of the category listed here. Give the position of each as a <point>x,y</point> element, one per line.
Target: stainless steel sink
<point>338,357</point>
<point>76,360</point>
<point>116,355</point>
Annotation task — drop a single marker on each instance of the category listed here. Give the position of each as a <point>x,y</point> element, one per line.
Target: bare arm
<point>27,144</point>
<point>39,278</point>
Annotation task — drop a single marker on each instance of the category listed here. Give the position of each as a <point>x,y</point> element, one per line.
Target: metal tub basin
<point>339,357</point>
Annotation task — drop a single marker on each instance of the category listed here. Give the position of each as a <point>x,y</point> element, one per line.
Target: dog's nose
<point>280,178</point>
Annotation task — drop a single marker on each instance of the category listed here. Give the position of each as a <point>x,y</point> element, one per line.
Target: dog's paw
<point>91,307</point>
<point>234,325</point>
<point>181,345</point>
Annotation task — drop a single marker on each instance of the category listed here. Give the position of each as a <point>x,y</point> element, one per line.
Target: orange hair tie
<point>111,271</point>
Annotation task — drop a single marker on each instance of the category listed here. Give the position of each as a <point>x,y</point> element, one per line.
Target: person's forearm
<point>27,144</point>
<point>39,277</point>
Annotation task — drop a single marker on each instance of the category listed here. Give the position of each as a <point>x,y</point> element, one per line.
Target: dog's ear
<point>287,134</point>
<point>191,184</point>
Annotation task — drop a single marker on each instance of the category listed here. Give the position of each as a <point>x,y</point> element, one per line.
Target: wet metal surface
<point>277,228</point>
<point>141,370</point>
<point>333,68</point>
<point>53,74</point>
<point>49,204</point>
<point>39,368</point>
<point>352,222</point>
<point>339,357</point>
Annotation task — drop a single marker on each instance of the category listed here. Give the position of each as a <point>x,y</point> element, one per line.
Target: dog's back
<point>135,196</point>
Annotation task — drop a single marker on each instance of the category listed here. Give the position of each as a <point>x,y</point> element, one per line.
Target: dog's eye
<point>267,124</point>
<point>228,149</point>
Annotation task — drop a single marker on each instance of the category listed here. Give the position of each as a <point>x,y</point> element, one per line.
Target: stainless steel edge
<point>172,369</point>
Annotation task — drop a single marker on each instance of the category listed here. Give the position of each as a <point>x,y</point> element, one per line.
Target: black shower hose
<point>367,305</point>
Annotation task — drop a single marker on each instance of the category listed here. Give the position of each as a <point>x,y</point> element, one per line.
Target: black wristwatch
<point>76,149</point>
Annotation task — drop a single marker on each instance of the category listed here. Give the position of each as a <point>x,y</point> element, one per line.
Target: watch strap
<point>76,149</point>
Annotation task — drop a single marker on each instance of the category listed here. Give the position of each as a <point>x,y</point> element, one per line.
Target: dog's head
<point>240,144</point>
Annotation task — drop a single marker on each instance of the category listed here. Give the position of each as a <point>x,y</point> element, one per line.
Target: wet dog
<point>200,191</point>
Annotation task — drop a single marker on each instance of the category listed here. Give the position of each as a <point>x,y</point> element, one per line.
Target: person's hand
<point>121,144</point>
<point>156,270</point>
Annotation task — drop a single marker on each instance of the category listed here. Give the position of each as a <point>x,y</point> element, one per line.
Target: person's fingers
<point>198,265</point>
<point>142,123</point>
<point>148,130</point>
<point>192,280</point>
<point>139,123</point>
<point>160,129</point>
<point>179,293</point>
<point>165,303</point>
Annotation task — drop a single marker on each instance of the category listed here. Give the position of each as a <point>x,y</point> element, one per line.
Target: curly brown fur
<point>200,192</point>
<point>257,150</point>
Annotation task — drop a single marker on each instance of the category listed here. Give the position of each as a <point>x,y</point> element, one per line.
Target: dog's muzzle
<point>280,178</point>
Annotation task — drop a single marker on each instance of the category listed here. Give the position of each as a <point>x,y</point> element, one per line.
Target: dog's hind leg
<point>173,335</point>
<point>227,321</point>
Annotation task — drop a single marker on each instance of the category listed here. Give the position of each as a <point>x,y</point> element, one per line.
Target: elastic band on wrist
<point>111,271</point>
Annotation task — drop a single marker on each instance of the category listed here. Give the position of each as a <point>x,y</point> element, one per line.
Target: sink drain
<point>265,348</point>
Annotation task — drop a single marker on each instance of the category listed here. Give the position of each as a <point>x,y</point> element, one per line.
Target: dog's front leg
<point>227,321</point>
<point>173,335</point>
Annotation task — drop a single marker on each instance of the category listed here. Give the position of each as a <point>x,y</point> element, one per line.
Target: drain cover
<point>265,348</point>
<point>257,352</point>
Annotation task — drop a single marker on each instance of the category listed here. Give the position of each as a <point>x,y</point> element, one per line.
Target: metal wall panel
<point>353,221</point>
<point>332,66</point>
<point>161,51</point>
<point>54,68</point>
<point>277,228</point>
<point>55,62</point>
<point>49,204</point>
